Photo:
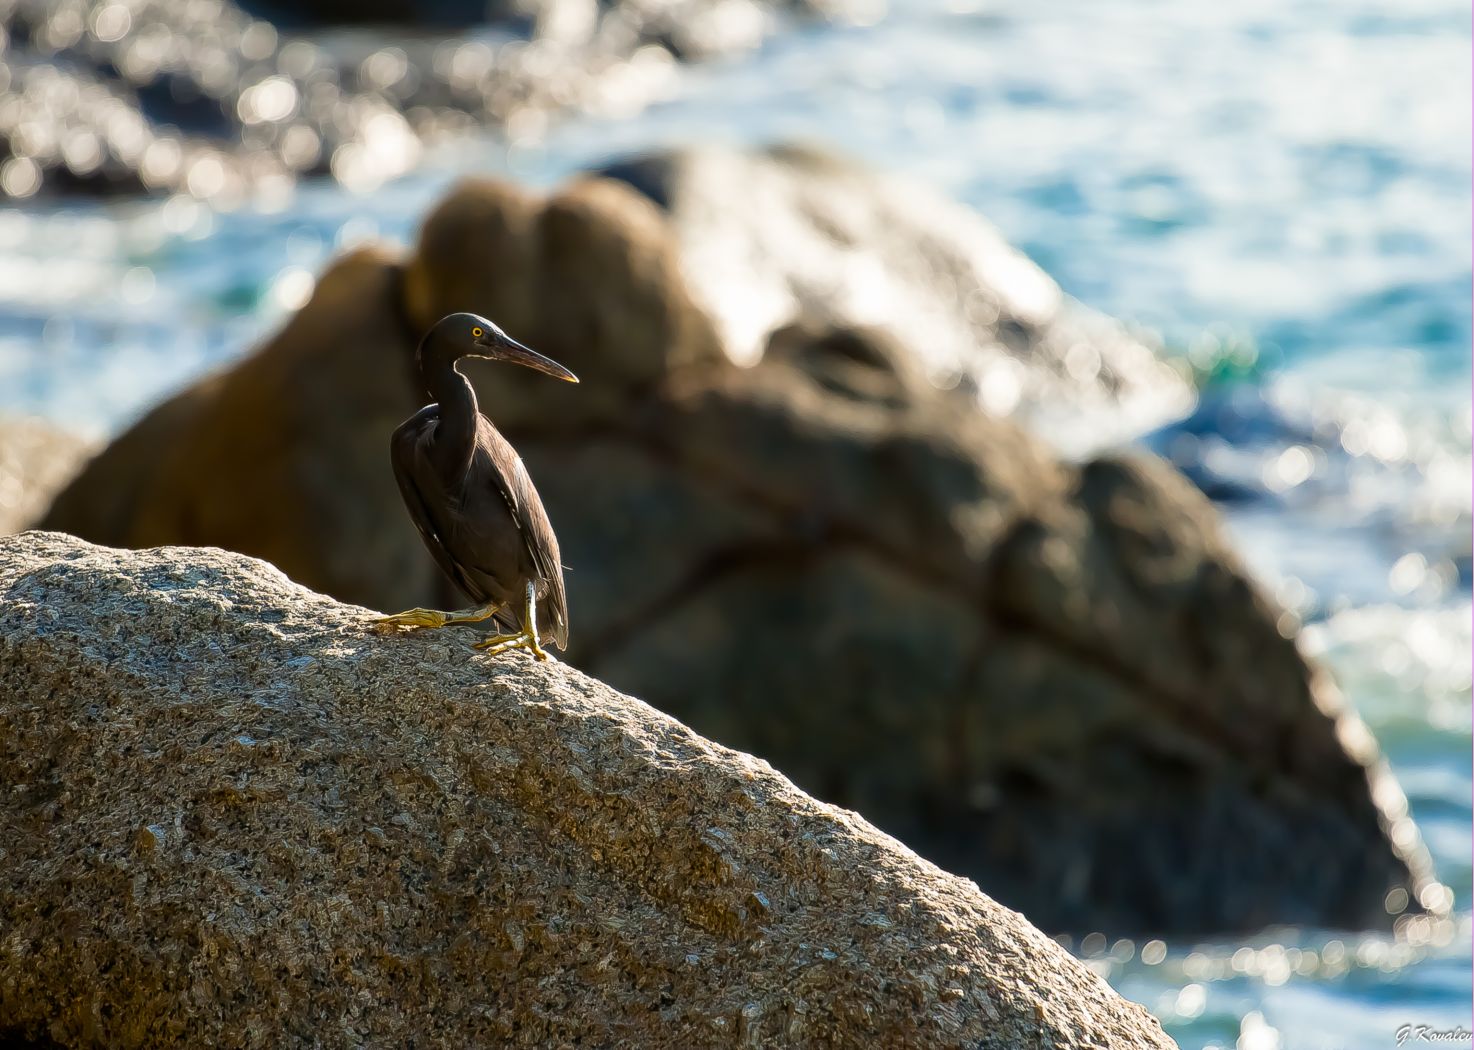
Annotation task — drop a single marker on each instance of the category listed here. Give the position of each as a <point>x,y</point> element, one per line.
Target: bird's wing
<point>537,532</point>
<point>407,454</point>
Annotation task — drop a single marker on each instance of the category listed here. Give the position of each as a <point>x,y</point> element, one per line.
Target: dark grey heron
<point>470,497</point>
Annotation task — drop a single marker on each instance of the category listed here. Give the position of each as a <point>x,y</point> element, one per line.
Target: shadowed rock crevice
<point>257,823</point>
<point>1178,707</point>
<point>727,561</point>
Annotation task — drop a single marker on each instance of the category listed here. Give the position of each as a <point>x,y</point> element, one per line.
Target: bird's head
<point>471,335</point>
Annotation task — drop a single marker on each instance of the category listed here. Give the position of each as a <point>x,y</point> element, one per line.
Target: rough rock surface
<point>1055,679</point>
<point>36,460</point>
<point>830,242</point>
<point>236,816</point>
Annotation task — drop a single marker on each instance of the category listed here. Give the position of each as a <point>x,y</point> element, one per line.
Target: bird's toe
<point>413,619</point>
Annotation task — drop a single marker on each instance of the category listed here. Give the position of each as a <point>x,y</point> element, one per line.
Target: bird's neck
<point>454,441</point>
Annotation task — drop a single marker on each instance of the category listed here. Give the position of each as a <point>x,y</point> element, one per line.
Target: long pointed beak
<point>505,348</point>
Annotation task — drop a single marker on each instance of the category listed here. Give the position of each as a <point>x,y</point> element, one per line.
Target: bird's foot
<point>413,619</point>
<point>501,643</point>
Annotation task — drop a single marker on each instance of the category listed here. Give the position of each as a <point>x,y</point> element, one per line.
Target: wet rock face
<point>822,239</point>
<point>1055,679</point>
<point>239,817</point>
<point>216,99</point>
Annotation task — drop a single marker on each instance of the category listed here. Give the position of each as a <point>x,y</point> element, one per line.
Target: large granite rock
<point>236,816</point>
<point>1054,678</point>
<point>831,242</point>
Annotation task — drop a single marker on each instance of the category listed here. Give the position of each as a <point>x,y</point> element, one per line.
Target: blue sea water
<point>1282,191</point>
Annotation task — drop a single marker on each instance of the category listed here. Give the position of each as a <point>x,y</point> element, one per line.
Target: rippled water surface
<point>1282,190</point>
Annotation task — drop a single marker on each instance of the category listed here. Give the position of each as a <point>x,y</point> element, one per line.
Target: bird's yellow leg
<point>417,618</point>
<point>523,639</point>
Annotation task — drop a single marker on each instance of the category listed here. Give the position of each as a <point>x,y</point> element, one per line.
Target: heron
<point>472,500</point>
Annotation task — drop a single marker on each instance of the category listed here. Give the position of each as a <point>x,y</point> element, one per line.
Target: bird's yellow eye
<point>476,333</point>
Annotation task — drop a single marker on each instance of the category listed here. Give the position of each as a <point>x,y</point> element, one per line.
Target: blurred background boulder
<point>37,459</point>
<point>1053,678</point>
<point>769,235</point>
